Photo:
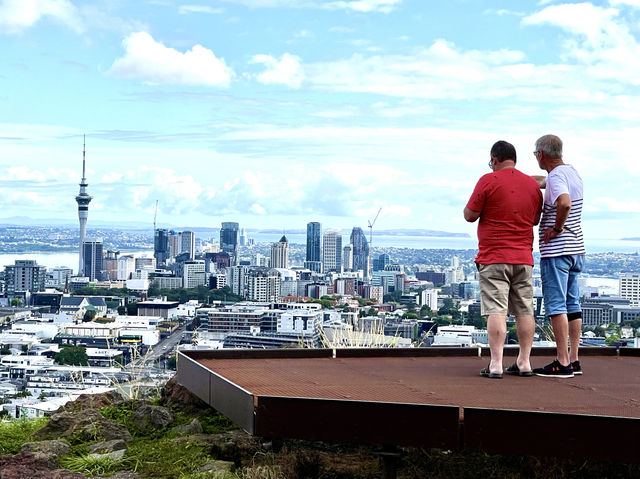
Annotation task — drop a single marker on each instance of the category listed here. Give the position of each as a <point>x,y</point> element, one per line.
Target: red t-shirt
<point>510,204</point>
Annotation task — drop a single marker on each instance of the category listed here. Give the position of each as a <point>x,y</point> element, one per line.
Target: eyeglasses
<point>535,153</point>
<point>491,163</point>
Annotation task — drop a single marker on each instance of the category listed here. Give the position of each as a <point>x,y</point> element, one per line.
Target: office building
<point>332,251</point>
<point>161,250</point>
<point>229,240</point>
<point>93,259</point>
<point>24,276</point>
<point>314,246</point>
<point>630,288</point>
<point>193,273</point>
<point>382,261</point>
<point>126,266</point>
<point>360,251</point>
<point>174,243</point>
<point>280,253</point>
<point>263,285</point>
<point>188,243</point>
<point>347,257</point>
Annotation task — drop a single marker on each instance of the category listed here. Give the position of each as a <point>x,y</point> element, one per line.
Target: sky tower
<point>83,199</point>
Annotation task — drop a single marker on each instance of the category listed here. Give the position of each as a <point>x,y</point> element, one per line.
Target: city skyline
<point>276,113</point>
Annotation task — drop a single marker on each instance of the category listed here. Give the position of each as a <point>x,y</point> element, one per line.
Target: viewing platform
<point>424,397</point>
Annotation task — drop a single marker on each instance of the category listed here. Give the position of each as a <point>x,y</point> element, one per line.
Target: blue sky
<point>274,113</point>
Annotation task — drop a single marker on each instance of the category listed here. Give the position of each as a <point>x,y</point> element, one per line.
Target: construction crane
<point>155,215</point>
<point>371,223</point>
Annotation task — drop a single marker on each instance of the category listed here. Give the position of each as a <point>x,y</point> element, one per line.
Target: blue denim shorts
<point>560,283</point>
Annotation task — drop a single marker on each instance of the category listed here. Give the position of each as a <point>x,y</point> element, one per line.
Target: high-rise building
<point>280,253</point>
<point>174,243</point>
<point>243,237</point>
<point>314,246</point>
<point>24,276</point>
<point>93,259</point>
<point>188,243</point>
<point>229,239</point>
<point>263,285</point>
<point>193,274</point>
<point>347,257</point>
<point>360,251</point>
<point>630,288</point>
<point>161,250</point>
<point>126,266</point>
<point>83,199</point>
<point>332,251</point>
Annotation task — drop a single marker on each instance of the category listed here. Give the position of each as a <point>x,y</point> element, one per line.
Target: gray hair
<point>550,145</point>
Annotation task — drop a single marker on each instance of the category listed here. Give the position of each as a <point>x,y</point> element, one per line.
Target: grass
<point>16,432</point>
<point>91,466</point>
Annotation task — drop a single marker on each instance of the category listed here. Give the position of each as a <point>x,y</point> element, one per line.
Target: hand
<point>550,233</point>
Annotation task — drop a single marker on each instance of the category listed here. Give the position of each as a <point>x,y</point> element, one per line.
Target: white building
<point>263,286</point>
<point>193,274</point>
<point>429,297</point>
<point>58,277</point>
<point>454,336</point>
<point>126,266</point>
<point>280,253</point>
<point>630,288</point>
<point>303,321</point>
<point>332,251</point>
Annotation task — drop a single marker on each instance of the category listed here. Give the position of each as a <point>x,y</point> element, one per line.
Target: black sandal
<point>485,373</point>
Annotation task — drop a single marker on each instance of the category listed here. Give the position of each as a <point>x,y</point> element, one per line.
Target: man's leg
<point>526,326</point>
<point>497,332</point>
<point>561,332</point>
<point>575,330</point>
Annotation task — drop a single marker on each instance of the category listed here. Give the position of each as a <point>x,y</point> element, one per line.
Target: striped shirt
<point>563,179</point>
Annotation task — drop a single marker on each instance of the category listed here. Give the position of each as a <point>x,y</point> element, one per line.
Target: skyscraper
<point>161,250</point>
<point>280,253</point>
<point>83,199</point>
<point>347,257</point>
<point>360,251</point>
<point>92,255</point>
<point>25,276</point>
<point>313,241</point>
<point>188,243</point>
<point>229,239</point>
<point>332,251</point>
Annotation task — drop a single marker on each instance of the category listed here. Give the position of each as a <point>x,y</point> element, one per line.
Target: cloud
<point>187,9</point>
<point>19,15</point>
<point>366,6</point>
<point>157,64</point>
<point>286,71</point>
<point>599,38</point>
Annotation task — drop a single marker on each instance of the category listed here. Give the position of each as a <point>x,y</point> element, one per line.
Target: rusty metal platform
<point>432,397</point>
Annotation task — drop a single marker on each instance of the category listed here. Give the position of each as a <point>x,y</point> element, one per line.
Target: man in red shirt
<point>509,204</point>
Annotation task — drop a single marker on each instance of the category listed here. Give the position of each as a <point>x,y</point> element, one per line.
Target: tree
<point>172,362</point>
<point>425,311</point>
<point>409,315</point>
<point>15,302</point>
<point>72,355</point>
<point>122,310</point>
<point>132,309</point>
<point>88,316</point>
<point>5,351</point>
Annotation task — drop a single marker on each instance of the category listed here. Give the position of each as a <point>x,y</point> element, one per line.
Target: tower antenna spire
<point>83,199</point>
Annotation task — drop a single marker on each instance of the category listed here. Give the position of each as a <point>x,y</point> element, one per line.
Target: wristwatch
<point>558,230</point>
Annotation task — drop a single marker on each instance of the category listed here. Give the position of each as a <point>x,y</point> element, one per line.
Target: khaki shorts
<point>506,289</point>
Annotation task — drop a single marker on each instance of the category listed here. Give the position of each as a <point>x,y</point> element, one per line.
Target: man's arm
<point>563,207</point>
<point>471,215</point>
<point>541,180</point>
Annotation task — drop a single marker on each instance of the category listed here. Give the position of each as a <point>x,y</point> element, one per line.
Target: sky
<point>274,113</point>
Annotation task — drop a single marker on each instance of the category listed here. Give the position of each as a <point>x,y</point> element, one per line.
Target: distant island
<point>637,238</point>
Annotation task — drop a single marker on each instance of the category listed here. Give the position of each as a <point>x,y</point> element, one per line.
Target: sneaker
<point>554,370</point>
<point>577,369</point>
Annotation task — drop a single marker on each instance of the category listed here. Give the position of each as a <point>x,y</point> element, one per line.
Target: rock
<point>107,446</point>
<point>148,417</point>
<point>194,427</point>
<point>88,424</point>
<point>216,468</point>
<point>173,394</point>
<point>93,401</point>
<point>236,446</point>
<point>55,448</point>
<point>30,466</point>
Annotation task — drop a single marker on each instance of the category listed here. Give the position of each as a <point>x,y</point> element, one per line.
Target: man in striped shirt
<point>561,254</point>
